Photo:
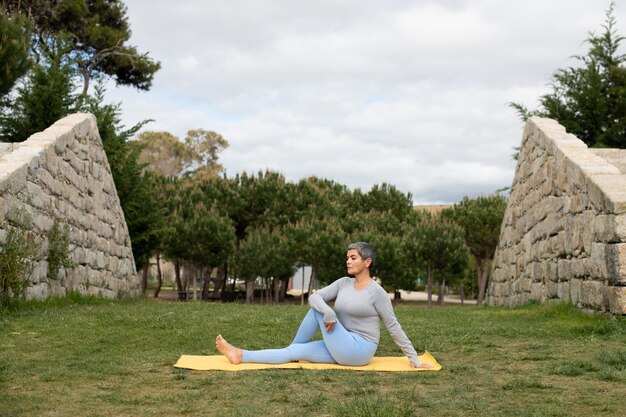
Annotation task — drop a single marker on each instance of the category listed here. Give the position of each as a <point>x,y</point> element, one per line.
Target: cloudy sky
<point>412,93</point>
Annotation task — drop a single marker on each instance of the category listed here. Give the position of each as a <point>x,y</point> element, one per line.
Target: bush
<point>17,258</point>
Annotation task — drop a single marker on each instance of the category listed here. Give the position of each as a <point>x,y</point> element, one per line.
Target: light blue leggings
<point>339,346</point>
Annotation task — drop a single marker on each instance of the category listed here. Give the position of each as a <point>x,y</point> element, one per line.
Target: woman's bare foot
<point>425,365</point>
<point>232,353</point>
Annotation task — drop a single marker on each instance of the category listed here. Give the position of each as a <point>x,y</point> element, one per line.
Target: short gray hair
<point>365,250</point>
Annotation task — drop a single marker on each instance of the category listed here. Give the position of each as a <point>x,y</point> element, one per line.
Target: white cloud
<point>413,93</point>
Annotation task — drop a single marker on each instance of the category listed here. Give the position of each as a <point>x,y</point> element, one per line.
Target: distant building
<point>300,280</point>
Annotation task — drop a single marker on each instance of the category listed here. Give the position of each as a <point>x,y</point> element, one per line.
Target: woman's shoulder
<point>378,289</point>
<point>344,281</point>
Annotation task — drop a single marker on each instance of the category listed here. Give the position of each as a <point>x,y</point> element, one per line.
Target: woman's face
<point>355,263</point>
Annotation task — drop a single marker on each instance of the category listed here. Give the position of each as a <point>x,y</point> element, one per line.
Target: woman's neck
<point>362,278</point>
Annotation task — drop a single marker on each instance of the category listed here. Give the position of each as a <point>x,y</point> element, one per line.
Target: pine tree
<point>590,99</point>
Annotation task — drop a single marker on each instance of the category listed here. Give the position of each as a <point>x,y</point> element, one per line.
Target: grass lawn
<point>103,358</point>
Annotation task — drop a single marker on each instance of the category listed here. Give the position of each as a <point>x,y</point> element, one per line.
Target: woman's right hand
<point>329,326</point>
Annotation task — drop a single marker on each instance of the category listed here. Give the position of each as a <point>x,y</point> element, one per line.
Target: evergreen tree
<point>437,245</point>
<point>44,98</point>
<point>590,99</point>
<point>15,32</point>
<point>97,34</point>
<point>480,219</point>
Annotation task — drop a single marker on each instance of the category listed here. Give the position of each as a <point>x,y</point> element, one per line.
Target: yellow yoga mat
<point>378,363</point>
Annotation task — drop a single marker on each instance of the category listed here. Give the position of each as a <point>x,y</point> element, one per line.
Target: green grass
<point>88,357</point>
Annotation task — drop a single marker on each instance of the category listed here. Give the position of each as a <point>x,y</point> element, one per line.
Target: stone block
<point>107,293</point>
<point>592,294</point>
<point>591,164</point>
<point>103,244</point>
<point>599,261</point>
<point>550,290</point>
<point>611,189</point>
<point>557,245</point>
<point>42,223</point>
<point>596,195</point>
<point>64,138</point>
<point>536,291</point>
<point>575,288</point>
<point>93,291</point>
<point>95,277</point>
<point>37,291</point>
<point>36,162</point>
<point>78,275</point>
<point>584,223</point>
<point>52,161</point>
<point>550,271</point>
<point>39,273</point>
<point>563,291</point>
<point>617,300</point>
<point>579,203</point>
<point>77,164</point>
<point>616,263</point>
<point>620,227</point>
<point>604,228</point>
<point>77,236</point>
<point>581,267</point>
<point>90,258</point>
<point>15,179</point>
<point>575,177</point>
<point>36,195</point>
<point>564,270</point>
<point>100,260</point>
<point>113,263</point>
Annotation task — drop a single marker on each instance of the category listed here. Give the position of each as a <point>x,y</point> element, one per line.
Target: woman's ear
<point>368,262</point>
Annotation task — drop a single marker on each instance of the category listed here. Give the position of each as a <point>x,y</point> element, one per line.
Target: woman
<point>351,335</point>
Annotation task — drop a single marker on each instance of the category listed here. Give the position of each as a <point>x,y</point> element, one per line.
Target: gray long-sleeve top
<point>360,312</point>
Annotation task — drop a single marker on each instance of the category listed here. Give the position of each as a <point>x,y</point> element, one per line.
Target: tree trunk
<point>430,287</point>
<point>302,288</point>
<point>223,289</point>
<point>206,282</point>
<point>462,293</point>
<point>219,281</point>
<point>249,292</point>
<point>179,284</point>
<point>86,79</point>
<point>233,287</point>
<point>441,292</point>
<point>194,277</point>
<point>397,296</point>
<point>157,290</point>
<point>482,266</point>
<point>312,281</point>
<point>282,295</point>
<point>185,278</point>
<point>224,281</point>
<point>268,290</point>
<point>276,290</point>
<point>144,278</point>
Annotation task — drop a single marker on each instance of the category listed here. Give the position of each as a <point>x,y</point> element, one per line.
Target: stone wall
<point>62,175</point>
<point>564,231</point>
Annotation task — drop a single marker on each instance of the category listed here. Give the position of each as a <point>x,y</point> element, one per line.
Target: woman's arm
<point>383,306</point>
<point>318,300</point>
